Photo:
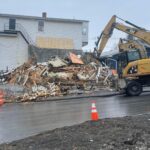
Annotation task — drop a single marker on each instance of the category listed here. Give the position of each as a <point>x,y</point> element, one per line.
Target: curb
<point>69,98</point>
<point>84,96</point>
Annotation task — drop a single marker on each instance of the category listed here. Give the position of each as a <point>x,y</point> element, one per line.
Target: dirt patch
<point>132,133</point>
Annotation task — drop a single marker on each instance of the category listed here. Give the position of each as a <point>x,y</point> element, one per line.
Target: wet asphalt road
<point>22,120</point>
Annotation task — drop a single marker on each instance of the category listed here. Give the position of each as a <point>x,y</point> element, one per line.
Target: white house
<point>17,32</point>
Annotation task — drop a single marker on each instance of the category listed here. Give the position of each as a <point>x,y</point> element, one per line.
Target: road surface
<point>18,121</point>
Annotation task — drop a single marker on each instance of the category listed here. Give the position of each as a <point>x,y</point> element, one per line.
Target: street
<point>18,121</point>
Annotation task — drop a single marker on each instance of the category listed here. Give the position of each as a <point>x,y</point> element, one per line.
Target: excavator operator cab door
<point>122,62</point>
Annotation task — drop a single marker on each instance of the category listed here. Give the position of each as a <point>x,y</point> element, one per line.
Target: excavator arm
<point>135,31</point>
<point>105,35</point>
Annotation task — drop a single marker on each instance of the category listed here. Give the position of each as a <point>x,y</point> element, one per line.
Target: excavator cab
<point>123,58</point>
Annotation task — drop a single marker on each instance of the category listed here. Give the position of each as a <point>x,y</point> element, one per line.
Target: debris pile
<point>59,77</point>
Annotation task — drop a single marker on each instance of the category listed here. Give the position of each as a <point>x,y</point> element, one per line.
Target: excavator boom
<point>141,34</point>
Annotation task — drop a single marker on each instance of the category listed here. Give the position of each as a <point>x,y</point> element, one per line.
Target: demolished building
<point>58,77</point>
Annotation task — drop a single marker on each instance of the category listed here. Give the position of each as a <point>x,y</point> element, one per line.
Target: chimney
<point>44,15</point>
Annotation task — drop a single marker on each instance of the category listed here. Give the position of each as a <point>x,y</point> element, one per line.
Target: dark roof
<point>38,18</point>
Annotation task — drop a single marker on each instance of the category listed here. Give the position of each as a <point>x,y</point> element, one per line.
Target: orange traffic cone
<point>94,113</point>
<point>1,98</point>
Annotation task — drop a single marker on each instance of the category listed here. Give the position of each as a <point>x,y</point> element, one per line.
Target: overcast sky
<point>98,12</point>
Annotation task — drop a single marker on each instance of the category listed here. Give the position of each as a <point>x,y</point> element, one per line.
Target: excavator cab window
<point>148,51</point>
<point>133,55</point>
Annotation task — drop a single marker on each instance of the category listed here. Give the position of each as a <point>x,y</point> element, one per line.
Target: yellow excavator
<point>133,66</point>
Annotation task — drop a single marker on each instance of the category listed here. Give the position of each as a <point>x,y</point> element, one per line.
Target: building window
<point>41,25</point>
<point>12,24</point>
<point>84,31</point>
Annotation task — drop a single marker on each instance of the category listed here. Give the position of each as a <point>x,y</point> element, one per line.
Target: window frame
<point>41,25</point>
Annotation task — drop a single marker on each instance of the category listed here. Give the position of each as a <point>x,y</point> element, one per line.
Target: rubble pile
<point>59,77</point>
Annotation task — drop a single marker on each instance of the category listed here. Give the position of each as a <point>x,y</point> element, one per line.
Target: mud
<point>127,133</point>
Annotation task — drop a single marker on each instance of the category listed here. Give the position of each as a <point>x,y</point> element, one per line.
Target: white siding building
<point>17,32</point>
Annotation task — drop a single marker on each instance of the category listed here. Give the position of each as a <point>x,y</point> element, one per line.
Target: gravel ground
<point>127,133</point>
